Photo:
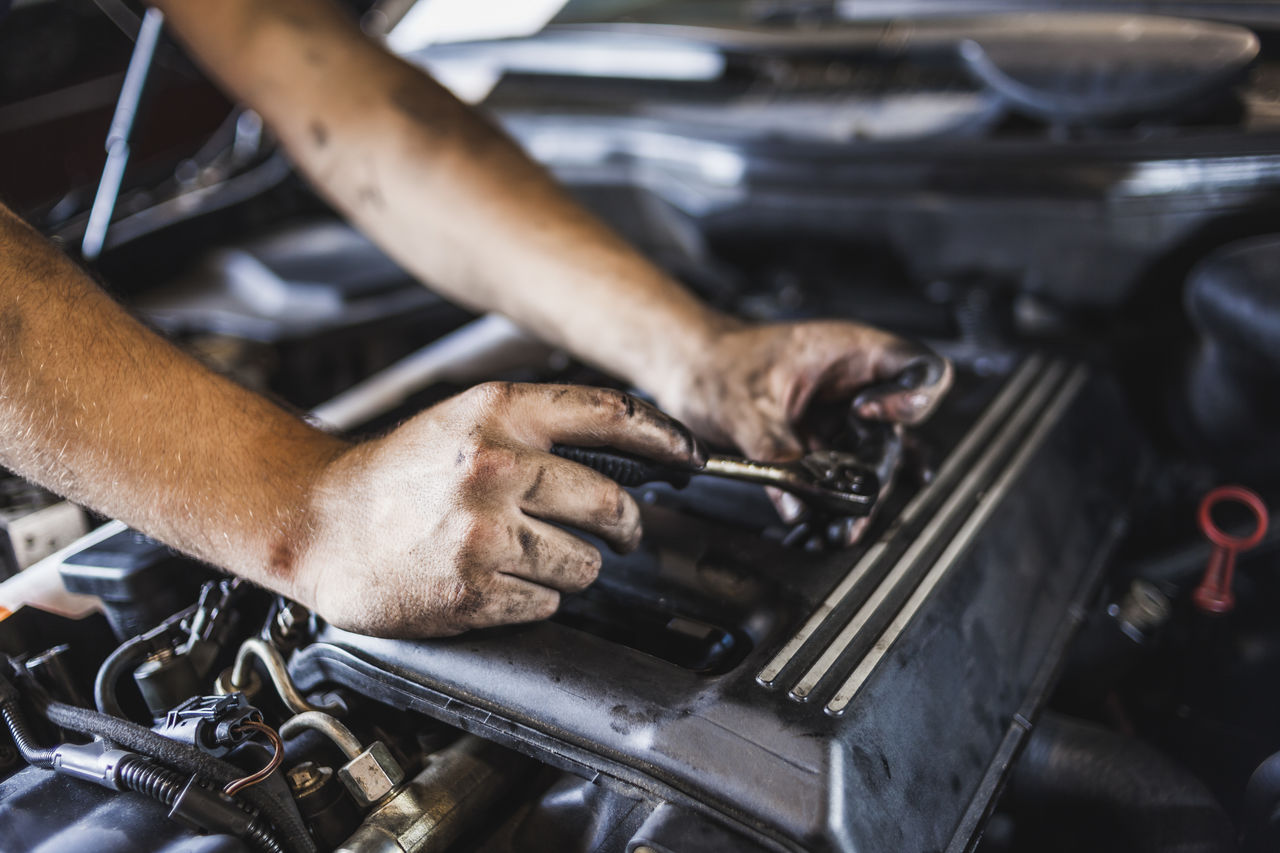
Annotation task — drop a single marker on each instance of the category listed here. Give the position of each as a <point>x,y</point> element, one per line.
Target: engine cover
<point>869,699</point>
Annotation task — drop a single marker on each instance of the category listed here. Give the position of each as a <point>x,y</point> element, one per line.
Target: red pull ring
<point>1214,594</point>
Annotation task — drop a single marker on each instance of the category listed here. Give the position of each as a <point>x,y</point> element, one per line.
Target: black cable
<point>32,753</point>
<point>259,835</point>
<point>165,786</point>
<point>136,773</point>
<point>294,834</point>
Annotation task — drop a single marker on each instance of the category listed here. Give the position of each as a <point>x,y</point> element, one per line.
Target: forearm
<point>445,193</point>
<point>98,408</point>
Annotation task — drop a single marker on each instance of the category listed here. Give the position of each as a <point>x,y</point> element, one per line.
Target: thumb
<point>916,379</point>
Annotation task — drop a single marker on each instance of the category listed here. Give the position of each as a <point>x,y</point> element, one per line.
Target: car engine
<point>1058,630</point>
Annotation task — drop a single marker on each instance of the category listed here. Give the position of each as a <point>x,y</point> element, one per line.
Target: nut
<point>223,686</point>
<point>372,774</point>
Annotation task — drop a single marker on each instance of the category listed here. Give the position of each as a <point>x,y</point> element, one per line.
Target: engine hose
<point>126,657</point>
<point>1262,805</point>
<point>120,661</point>
<point>293,833</point>
<point>1157,805</point>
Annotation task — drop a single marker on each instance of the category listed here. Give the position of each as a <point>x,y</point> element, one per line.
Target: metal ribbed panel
<point>1007,431</point>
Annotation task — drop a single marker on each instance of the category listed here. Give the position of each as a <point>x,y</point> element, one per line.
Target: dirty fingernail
<point>697,453</point>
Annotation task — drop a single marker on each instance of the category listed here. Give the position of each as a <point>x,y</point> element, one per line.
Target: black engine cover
<point>863,700</point>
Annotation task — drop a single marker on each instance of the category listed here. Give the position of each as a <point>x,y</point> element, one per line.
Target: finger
<point>789,507</point>
<point>568,493</point>
<point>926,379</point>
<point>553,557</point>
<point>770,444</point>
<point>512,600</point>
<point>598,417</point>
<point>851,534</point>
<point>855,531</point>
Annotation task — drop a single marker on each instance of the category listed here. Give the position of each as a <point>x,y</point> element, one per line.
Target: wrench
<point>835,482</point>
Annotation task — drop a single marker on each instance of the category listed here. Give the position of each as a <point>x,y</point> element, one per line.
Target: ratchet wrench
<point>835,482</point>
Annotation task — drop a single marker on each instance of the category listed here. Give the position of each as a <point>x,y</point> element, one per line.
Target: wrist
<point>303,509</point>
<point>686,360</point>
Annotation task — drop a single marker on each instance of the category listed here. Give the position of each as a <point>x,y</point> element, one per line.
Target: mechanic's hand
<point>445,524</point>
<point>766,388</point>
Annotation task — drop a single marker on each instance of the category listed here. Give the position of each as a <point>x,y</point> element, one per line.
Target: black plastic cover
<point>141,581</point>
<point>874,698</point>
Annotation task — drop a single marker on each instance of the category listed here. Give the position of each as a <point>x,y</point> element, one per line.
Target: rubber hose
<point>293,833</point>
<point>129,654</point>
<point>1262,805</point>
<point>1159,806</point>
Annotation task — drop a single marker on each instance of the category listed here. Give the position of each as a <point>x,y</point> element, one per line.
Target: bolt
<point>307,777</point>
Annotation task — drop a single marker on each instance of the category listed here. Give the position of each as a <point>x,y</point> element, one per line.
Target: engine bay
<point>1029,648</point>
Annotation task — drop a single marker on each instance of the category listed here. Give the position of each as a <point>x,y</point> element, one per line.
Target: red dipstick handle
<point>1214,594</point>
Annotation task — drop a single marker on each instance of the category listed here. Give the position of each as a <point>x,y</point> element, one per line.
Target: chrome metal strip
<point>992,498</point>
<point>977,434</point>
<point>957,505</point>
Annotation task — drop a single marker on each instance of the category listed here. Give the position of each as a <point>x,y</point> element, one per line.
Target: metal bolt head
<point>1144,606</point>
<point>372,774</point>
<point>307,777</point>
<point>291,617</point>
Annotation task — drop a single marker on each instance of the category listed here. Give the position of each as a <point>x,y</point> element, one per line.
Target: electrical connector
<point>211,723</point>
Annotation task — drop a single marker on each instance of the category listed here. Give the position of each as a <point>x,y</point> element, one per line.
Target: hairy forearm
<point>444,192</point>
<point>98,408</point>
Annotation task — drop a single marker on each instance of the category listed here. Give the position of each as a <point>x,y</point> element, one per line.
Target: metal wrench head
<point>835,482</point>
<point>828,481</point>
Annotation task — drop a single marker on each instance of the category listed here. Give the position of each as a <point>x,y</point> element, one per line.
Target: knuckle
<point>488,464</point>
<point>611,506</point>
<point>478,538</point>
<point>461,603</point>
<point>492,397</point>
<point>622,509</point>
<point>615,405</point>
<point>587,570</point>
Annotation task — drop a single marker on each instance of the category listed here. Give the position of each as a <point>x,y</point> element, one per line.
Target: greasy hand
<point>766,389</point>
<point>444,525</point>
